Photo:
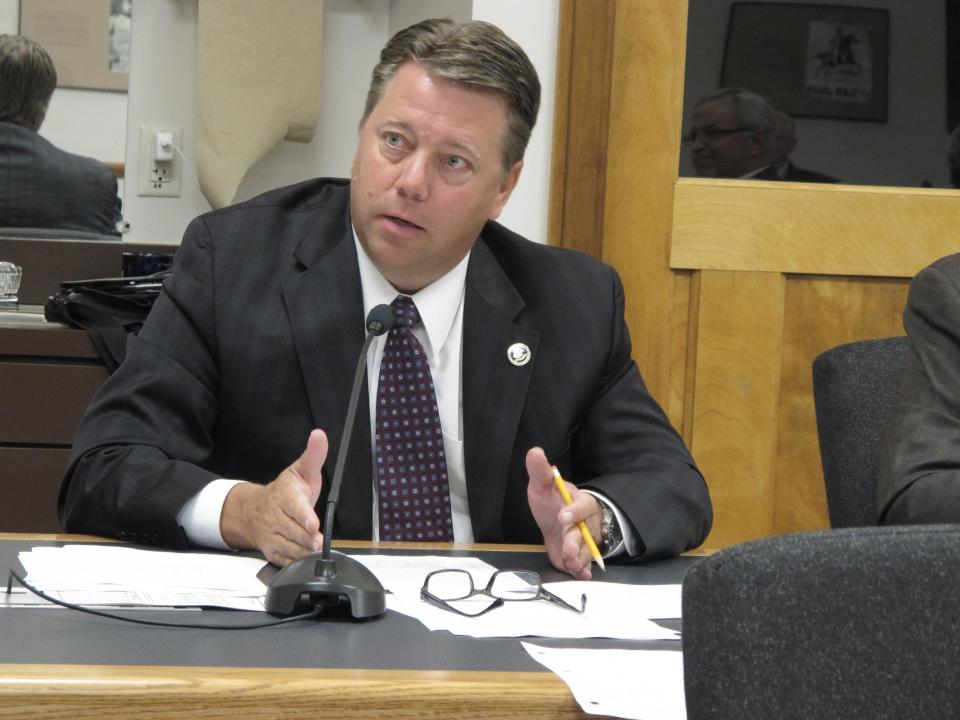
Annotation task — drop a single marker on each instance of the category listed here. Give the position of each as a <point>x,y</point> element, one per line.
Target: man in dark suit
<point>920,463</point>
<point>42,186</point>
<point>254,341</point>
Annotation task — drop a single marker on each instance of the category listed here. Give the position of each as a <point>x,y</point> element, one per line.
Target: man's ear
<point>758,142</point>
<point>507,184</point>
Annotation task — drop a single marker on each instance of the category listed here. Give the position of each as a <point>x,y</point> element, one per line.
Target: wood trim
<point>446,547</point>
<point>811,229</point>
<point>74,692</point>
<point>642,162</point>
<point>578,175</point>
<point>561,124</point>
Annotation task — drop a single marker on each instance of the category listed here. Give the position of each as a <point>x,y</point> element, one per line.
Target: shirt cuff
<point>200,515</point>
<point>628,544</point>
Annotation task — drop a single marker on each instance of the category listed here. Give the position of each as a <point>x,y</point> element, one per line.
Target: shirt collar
<point>753,173</point>
<point>437,303</point>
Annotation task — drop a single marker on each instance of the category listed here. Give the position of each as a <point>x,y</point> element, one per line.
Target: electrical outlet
<point>159,176</point>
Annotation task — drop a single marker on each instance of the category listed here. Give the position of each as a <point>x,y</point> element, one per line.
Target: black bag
<point>107,308</point>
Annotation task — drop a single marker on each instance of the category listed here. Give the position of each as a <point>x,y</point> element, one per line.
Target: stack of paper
<point>106,575</point>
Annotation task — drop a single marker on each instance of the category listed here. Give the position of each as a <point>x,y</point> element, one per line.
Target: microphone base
<point>312,582</point>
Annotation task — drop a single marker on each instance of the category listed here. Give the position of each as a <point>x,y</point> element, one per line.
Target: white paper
<point>96,575</point>
<point>614,610</point>
<point>637,684</point>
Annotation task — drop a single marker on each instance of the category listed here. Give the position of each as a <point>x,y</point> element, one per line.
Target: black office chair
<point>850,623</point>
<point>854,387</point>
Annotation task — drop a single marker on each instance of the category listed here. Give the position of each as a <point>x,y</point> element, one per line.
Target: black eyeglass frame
<point>711,134</point>
<point>541,594</point>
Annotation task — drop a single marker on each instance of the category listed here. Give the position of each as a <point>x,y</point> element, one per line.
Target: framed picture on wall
<point>88,41</point>
<point>808,60</point>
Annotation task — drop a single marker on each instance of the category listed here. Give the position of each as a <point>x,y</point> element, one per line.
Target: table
<point>57,663</point>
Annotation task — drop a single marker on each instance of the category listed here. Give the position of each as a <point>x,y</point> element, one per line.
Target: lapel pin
<point>518,354</point>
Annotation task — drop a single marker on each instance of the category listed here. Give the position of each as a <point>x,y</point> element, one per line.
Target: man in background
<point>42,186</point>
<point>521,355</point>
<point>784,145</point>
<point>919,479</point>
<point>731,135</point>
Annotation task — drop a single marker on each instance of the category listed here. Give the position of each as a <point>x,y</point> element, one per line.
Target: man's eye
<point>455,162</point>
<point>393,139</point>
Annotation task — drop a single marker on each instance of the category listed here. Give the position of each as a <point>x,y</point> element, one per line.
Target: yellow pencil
<point>594,550</point>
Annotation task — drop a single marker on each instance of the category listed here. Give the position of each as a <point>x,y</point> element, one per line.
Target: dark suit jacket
<point>42,186</point>
<point>920,464</point>
<point>255,340</point>
<point>794,174</point>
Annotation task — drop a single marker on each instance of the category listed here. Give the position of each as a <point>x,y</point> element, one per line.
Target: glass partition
<point>864,93</point>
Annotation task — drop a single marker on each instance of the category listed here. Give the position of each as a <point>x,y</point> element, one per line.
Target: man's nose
<point>414,179</point>
<point>698,140</point>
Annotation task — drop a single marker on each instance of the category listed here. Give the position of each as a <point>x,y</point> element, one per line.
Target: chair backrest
<point>854,388</point>
<point>850,623</point>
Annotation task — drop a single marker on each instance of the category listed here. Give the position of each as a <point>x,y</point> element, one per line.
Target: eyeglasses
<point>443,587</point>
<point>710,134</point>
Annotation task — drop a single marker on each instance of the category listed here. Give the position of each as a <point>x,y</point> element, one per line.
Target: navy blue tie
<point>412,489</point>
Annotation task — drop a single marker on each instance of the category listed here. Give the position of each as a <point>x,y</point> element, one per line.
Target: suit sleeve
<point>634,457</point>
<point>160,404</point>
<point>919,478</point>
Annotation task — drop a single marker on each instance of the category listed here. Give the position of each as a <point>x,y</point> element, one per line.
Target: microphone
<point>330,578</point>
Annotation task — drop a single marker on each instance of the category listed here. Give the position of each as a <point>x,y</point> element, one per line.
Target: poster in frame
<point>825,61</point>
<point>89,41</point>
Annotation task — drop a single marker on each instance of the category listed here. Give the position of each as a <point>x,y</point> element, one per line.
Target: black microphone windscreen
<point>380,319</point>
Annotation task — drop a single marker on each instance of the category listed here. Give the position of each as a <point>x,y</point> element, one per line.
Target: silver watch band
<point>610,534</point>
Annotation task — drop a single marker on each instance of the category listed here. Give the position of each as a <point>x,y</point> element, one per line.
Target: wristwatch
<point>610,534</point>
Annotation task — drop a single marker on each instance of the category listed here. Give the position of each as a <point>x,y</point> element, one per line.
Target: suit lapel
<point>494,390</point>
<point>325,309</point>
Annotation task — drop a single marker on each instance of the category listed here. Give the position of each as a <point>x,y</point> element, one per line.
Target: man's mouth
<point>405,223</point>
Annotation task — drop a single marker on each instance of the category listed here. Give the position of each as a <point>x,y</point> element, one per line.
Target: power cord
<point>156,623</point>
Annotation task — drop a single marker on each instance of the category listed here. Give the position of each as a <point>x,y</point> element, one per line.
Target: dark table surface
<point>47,635</point>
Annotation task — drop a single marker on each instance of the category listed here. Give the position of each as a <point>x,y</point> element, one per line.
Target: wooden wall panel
<point>803,228</point>
<point>29,484</point>
<point>642,156</point>
<point>735,399</point>
<point>819,313</point>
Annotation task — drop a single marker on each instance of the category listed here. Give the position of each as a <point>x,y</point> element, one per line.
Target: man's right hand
<point>279,519</point>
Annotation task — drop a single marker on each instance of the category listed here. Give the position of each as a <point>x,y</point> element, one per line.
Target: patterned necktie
<point>412,485</point>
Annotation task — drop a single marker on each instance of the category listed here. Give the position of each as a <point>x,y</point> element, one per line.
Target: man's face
<point>720,148</point>
<point>427,174</point>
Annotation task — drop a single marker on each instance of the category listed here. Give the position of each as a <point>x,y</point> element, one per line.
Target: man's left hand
<point>558,522</point>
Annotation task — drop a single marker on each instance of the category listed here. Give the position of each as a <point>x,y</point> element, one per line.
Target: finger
<point>297,520</point>
<point>576,553</point>
<point>539,470</point>
<point>288,549</point>
<point>309,466</point>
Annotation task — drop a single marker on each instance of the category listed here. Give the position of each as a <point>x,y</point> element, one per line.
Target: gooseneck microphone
<point>327,579</point>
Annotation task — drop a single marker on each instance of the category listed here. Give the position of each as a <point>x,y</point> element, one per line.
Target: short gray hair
<point>752,110</point>
<point>27,80</point>
<point>475,54</point>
